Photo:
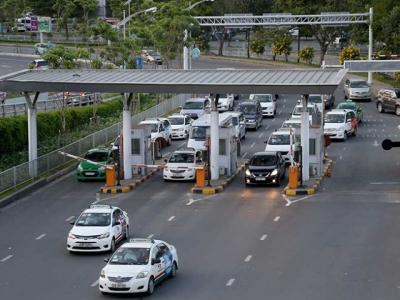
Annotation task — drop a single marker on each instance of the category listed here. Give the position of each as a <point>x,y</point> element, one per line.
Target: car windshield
<point>263,160</point>
<point>198,133</point>
<point>358,84</point>
<point>291,125</point>
<point>130,256</point>
<point>334,118</point>
<point>94,219</point>
<point>223,95</point>
<point>346,106</point>
<point>97,156</point>
<point>153,127</point>
<point>299,109</point>
<point>263,98</point>
<point>315,99</point>
<point>193,105</point>
<point>176,121</point>
<point>182,158</point>
<point>248,109</point>
<point>279,139</point>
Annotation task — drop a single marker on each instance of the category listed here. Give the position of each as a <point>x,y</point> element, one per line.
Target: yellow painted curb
<point>208,191</point>
<point>290,192</point>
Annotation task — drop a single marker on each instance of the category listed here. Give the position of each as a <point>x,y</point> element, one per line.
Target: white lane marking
<point>150,236</point>
<point>277,218</point>
<point>252,145</point>
<point>263,237</point>
<point>284,106</point>
<point>340,157</point>
<point>248,258</point>
<point>69,218</point>
<point>284,100</point>
<point>260,135</point>
<point>230,282</point>
<point>387,182</point>
<point>376,144</point>
<point>97,197</point>
<point>191,200</point>
<point>297,200</point>
<point>7,258</point>
<point>244,155</point>
<point>279,112</point>
<point>40,236</point>
<point>181,145</point>
<point>95,283</point>
<point>171,218</point>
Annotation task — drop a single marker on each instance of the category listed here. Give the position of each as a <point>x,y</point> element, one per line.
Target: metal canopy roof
<point>238,81</point>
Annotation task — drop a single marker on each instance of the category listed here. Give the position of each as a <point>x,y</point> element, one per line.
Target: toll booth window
<point>135,146</point>
<point>312,149</point>
<point>222,147</point>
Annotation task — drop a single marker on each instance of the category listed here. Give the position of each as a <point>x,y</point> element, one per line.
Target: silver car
<point>356,89</point>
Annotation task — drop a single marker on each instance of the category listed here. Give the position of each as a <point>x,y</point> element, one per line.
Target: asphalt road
<point>244,243</point>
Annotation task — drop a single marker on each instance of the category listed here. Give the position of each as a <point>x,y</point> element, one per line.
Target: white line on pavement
<point>69,218</point>
<point>7,258</point>
<point>95,283</point>
<point>387,182</point>
<point>248,258</point>
<point>277,218</point>
<point>297,200</point>
<point>181,145</point>
<point>150,236</point>
<point>260,135</point>
<point>171,218</point>
<point>40,236</point>
<point>252,145</point>
<point>230,282</point>
<point>284,100</point>
<point>244,155</point>
<point>263,237</point>
<point>340,157</point>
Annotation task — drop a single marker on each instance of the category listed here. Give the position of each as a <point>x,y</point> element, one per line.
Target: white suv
<point>283,141</point>
<point>98,228</point>
<point>180,126</point>
<point>340,123</point>
<point>267,102</point>
<point>137,266</point>
<point>225,102</point>
<point>182,165</point>
<point>160,130</point>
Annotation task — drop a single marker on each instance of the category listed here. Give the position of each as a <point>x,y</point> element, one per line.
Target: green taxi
<point>90,171</point>
<point>351,105</point>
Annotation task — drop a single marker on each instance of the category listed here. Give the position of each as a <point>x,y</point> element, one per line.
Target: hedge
<point>14,130</point>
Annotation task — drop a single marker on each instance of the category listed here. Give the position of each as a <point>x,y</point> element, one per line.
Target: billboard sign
<point>44,24</point>
<point>34,24</point>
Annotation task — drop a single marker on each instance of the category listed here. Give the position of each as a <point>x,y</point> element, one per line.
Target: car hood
<point>266,104</point>
<point>89,166</point>
<point>250,117</point>
<point>124,270</point>
<point>223,100</point>
<point>191,111</point>
<point>360,90</point>
<point>333,125</point>
<point>89,230</point>
<point>262,168</point>
<point>177,126</point>
<point>277,147</point>
<point>179,165</point>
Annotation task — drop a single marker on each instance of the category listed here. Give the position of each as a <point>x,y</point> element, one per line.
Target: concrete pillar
<point>185,58</point>
<point>126,133</point>
<point>214,139</point>
<point>32,133</point>
<point>305,140</point>
<point>371,42</point>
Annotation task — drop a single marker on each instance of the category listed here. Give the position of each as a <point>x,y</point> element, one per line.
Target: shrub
<point>349,53</point>
<point>307,55</point>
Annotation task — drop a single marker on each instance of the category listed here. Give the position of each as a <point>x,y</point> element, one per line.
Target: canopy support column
<point>32,132</point>
<point>127,136</point>
<point>305,140</point>
<point>214,138</point>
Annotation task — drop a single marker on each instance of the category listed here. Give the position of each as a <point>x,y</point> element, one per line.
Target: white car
<point>267,102</point>
<point>180,126</point>
<point>239,124</point>
<point>317,100</point>
<point>98,228</point>
<point>225,102</point>
<point>281,141</point>
<point>160,129</point>
<point>182,165</point>
<point>340,123</point>
<point>137,266</point>
<point>356,89</point>
<point>296,114</point>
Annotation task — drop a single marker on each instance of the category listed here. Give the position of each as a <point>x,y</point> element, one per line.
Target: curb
<point>128,187</point>
<point>20,55</point>
<point>313,189</point>
<point>219,188</point>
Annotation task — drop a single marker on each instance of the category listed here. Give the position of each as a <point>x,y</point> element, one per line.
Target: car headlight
<point>80,169</point>
<point>274,172</point>
<point>71,236</point>
<point>166,169</point>
<point>248,173</point>
<point>251,121</point>
<point>142,275</point>
<point>104,235</point>
<point>103,274</point>
<point>101,169</point>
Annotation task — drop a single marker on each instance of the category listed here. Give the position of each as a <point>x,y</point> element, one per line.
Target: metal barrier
<point>51,161</point>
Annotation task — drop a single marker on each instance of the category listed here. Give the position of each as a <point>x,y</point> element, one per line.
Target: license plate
<point>84,245</point>
<point>90,173</point>
<point>260,179</point>
<point>118,285</point>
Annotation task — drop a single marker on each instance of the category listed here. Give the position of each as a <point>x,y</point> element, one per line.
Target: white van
<point>283,141</point>
<point>197,136</point>
<point>239,124</point>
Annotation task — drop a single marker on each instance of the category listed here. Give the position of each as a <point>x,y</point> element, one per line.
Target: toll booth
<point>316,145</point>
<point>227,151</point>
<point>141,150</point>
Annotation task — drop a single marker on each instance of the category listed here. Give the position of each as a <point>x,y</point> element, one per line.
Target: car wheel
<point>126,233</point>
<point>380,107</point>
<point>150,286</point>
<point>397,110</point>
<point>173,270</point>
<point>112,246</point>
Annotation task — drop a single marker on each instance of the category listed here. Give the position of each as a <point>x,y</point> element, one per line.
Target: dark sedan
<point>265,168</point>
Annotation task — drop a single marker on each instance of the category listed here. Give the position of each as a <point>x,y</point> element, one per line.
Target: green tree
<point>63,10</point>
<point>61,57</point>
<point>307,55</point>
<point>258,42</point>
<point>281,43</point>
<point>349,53</point>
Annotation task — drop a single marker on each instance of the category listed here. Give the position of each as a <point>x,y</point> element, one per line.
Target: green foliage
<point>258,42</point>
<point>60,57</point>
<point>281,43</point>
<point>307,55</point>
<point>203,43</point>
<point>397,77</point>
<point>96,64</point>
<point>349,53</point>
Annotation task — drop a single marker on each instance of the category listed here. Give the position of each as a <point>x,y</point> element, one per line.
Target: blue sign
<point>195,52</point>
<point>139,62</point>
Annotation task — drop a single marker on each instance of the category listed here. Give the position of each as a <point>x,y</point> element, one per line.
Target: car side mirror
<point>155,261</point>
<point>116,223</point>
<point>199,161</point>
<point>107,259</point>
<point>72,222</point>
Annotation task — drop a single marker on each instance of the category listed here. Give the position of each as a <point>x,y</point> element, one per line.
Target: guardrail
<point>51,161</point>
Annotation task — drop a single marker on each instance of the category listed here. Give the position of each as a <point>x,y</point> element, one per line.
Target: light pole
<point>186,52</point>
<point>130,16</point>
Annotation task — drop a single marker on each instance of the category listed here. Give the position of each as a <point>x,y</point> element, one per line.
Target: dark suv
<point>265,168</point>
<point>252,112</point>
<point>388,100</point>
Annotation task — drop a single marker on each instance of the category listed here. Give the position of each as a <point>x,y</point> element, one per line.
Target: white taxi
<point>182,165</point>
<point>137,266</point>
<point>180,126</point>
<point>98,228</point>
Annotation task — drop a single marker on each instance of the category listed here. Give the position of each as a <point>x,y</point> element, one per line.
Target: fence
<point>51,161</point>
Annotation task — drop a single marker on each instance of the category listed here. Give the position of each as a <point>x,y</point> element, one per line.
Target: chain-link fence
<point>54,160</point>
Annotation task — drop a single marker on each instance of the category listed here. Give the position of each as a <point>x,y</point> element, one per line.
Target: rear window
<point>279,139</point>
